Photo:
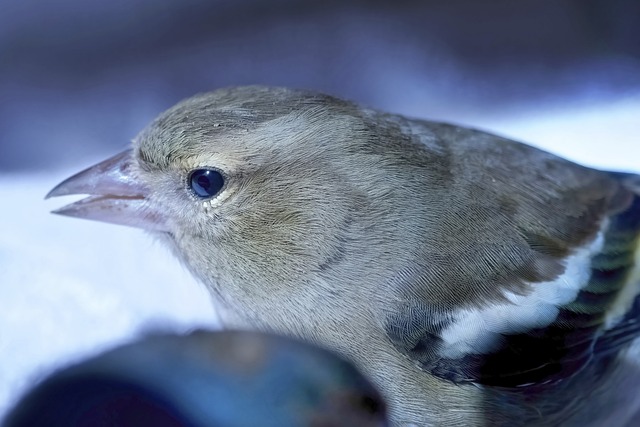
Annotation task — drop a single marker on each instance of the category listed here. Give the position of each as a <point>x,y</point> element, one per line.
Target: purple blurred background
<point>79,79</point>
<point>80,76</point>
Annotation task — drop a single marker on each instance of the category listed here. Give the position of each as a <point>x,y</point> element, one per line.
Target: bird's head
<point>249,185</point>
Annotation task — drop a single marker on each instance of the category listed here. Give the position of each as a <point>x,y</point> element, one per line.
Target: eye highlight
<point>205,183</point>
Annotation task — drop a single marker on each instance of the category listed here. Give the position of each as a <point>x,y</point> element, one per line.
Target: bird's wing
<point>522,289</point>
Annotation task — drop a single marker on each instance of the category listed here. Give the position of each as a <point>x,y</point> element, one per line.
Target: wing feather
<point>518,280</point>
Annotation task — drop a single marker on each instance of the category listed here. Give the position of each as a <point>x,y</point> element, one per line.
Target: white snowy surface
<point>70,288</point>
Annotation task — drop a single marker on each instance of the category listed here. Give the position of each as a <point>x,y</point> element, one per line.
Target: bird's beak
<point>115,195</point>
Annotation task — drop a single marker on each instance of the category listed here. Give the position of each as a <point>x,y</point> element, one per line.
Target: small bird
<point>475,279</point>
<point>205,379</point>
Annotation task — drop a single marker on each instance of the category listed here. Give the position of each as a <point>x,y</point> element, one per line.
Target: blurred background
<point>79,79</point>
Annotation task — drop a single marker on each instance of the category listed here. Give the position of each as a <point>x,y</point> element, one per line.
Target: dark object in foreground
<point>204,379</point>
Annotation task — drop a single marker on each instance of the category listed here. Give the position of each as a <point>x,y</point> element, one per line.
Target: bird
<point>475,279</point>
<point>204,378</point>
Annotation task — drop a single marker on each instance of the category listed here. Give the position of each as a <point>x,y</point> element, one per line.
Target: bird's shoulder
<point>530,270</point>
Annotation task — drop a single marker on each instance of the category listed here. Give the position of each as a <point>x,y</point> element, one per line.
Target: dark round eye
<point>206,183</point>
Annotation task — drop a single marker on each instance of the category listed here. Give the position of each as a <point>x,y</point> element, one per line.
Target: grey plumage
<point>477,280</point>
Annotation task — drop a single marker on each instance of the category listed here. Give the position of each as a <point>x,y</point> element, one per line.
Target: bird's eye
<point>205,183</point>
